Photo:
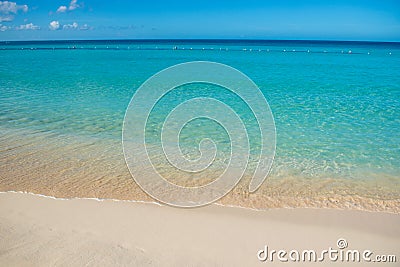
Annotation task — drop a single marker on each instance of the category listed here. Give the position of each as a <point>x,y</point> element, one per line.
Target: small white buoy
<point>308,51</point>
<point>390,53</point>
<point>350,52</point>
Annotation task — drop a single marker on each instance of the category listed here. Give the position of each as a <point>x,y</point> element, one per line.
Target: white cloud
<point>29,26</point>
<point>54,25</point>
<point>72,6</point>
<point>7,7</point>
<point>6,18</point>
<point>3,28</point>
<point>72,26</point>
<point>85,27</point>
<point>61,9</point>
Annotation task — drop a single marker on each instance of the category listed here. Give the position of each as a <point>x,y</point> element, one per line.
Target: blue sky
<point>116,19</point>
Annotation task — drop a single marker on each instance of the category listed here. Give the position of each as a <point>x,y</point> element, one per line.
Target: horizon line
<point>198,39</point>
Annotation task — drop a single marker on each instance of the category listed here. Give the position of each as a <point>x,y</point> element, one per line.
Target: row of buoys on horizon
<point>203,48</point>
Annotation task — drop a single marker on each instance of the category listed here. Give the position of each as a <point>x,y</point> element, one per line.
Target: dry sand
<point>40,231</point>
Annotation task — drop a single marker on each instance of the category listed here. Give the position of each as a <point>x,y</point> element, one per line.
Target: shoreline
<point>211,204</point>
<point>67,166</point>
<point>38,230</point>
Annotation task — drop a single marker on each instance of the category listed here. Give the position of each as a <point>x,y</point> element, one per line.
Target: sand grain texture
<point>39,231</point>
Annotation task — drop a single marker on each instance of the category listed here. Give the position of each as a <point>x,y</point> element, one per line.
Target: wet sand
<point>67,166</point>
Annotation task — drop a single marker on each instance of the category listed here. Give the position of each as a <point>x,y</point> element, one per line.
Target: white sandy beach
<point>40,231</point>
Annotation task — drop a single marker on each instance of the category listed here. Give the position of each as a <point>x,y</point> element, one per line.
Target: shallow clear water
<point>336,113</point>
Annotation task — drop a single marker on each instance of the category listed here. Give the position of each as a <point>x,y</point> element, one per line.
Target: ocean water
<point>336,107</point>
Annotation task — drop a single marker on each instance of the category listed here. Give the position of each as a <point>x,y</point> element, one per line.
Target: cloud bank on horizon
<point>371,20</point>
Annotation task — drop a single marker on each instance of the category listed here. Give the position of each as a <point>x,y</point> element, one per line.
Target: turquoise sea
<point>336,107</point>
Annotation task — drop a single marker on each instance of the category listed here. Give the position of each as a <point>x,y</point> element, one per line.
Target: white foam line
<point>240,207</point>
<point>83,198</point>
<point>216,204</point>
<point>118,200</point>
